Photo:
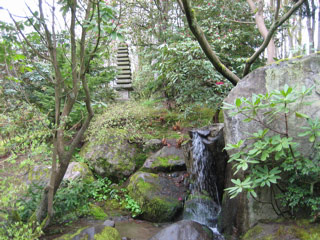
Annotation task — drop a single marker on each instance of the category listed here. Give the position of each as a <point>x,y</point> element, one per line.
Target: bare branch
<point>27,41</point>
<point>272,30</point>
<point>276,15</point>
<point>212,56</point>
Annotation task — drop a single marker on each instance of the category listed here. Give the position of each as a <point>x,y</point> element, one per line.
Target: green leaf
<point>302,115</point>
<point>312,138</point>
<point>238,102</point>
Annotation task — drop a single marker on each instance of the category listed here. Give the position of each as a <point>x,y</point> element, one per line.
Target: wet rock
<point>201,209</point>
<point>183,230</point>
<point>160,197</point>
<point>168,159</point>
<point>99,232</point>
<point>109,223</point>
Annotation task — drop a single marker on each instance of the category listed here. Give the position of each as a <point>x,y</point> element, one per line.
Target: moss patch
<point>108,233</point>
<point>97,212</point>
<point>252,233</point>
<point>70,236</point>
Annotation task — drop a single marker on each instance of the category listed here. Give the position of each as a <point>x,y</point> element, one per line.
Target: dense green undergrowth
<point>26,143</point>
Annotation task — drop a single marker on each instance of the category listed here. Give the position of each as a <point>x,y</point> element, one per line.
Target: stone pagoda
<point>124,80</point>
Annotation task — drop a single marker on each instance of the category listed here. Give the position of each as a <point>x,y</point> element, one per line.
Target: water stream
<point>204,206</point>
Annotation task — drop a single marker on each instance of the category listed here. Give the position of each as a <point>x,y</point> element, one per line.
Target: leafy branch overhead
<point>212,55</point>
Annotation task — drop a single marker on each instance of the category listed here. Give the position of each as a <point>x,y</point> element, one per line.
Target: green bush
<point>274,158</point>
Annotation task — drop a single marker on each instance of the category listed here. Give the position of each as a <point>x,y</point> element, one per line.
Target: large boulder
<point>167,159</point>
<point>113,158</point>
<point>242,212</point>
<point>186,229</point>
<point>159,196</point>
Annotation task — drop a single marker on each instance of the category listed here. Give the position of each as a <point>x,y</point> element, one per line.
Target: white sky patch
<point>17,8</point>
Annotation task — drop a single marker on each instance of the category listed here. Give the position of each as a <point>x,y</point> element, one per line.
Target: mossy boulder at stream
<point>160,197</point>
<point>99,232</point>
<point>167,159</point>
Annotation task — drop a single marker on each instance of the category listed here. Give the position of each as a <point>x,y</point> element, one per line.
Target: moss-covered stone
<point>97,212</point>
<point>166,159</point>
<point>157,196</point>
<point>286,229</point>
<point>70,236</point>
<point>79,170</point>
<point>108,233</point>
<point>253,233</point>
<point>112,157</point>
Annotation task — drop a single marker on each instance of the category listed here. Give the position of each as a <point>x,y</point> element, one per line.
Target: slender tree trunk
<point>318,48</point>
<point>258,10</point>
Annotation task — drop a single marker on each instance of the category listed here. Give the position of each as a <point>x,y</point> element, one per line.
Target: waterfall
<point>203,169</point>
<point>200,157</point>
<point>203,205</point>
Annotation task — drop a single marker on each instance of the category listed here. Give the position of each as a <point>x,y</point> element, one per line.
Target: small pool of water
<point>136,229</point>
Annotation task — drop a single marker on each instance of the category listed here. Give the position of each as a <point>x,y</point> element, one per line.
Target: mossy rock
<point>300,229</point>
<point>112,158</point>
<point>167,159</point>
<point>97,212</point>
<point>108,233</point>
<point>99,232</point>
<point>158,196</point>
<point>78,170</point>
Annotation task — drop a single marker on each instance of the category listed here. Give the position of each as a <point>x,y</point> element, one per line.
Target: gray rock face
<point>40,174</point>
<point>167,159</point>
<point>152,145</point>
<point>185,230</point>
<point>112,158</point>
<point>77,170</point>
<point>159,196</point>
<point>246,212</point>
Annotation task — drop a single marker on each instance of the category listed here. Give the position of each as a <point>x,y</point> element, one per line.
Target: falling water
<point>200,157</point>
<point>204,182</point>
<point>205,206</point>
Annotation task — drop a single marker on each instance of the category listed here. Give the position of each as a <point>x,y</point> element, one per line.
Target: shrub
<point>274,157</point>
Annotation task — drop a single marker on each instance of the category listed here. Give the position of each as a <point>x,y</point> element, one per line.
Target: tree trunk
<point>271,49</point>
<point>318,48</point>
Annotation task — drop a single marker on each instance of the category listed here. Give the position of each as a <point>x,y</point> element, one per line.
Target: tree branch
<point>198,33</point>
<point>27,41</point>
<point>266,41</point>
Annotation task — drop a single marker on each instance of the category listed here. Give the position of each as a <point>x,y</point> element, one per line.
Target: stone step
<point>123,63</point>
<point>124,76</point>
<point>122,55</point>
<point>123,51</point>
<point>123,81</point>
<point>123,86</point>
<point>122,48</point>
<point>123,59</point>
<point>125,67</point>
<point>124,72</point>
